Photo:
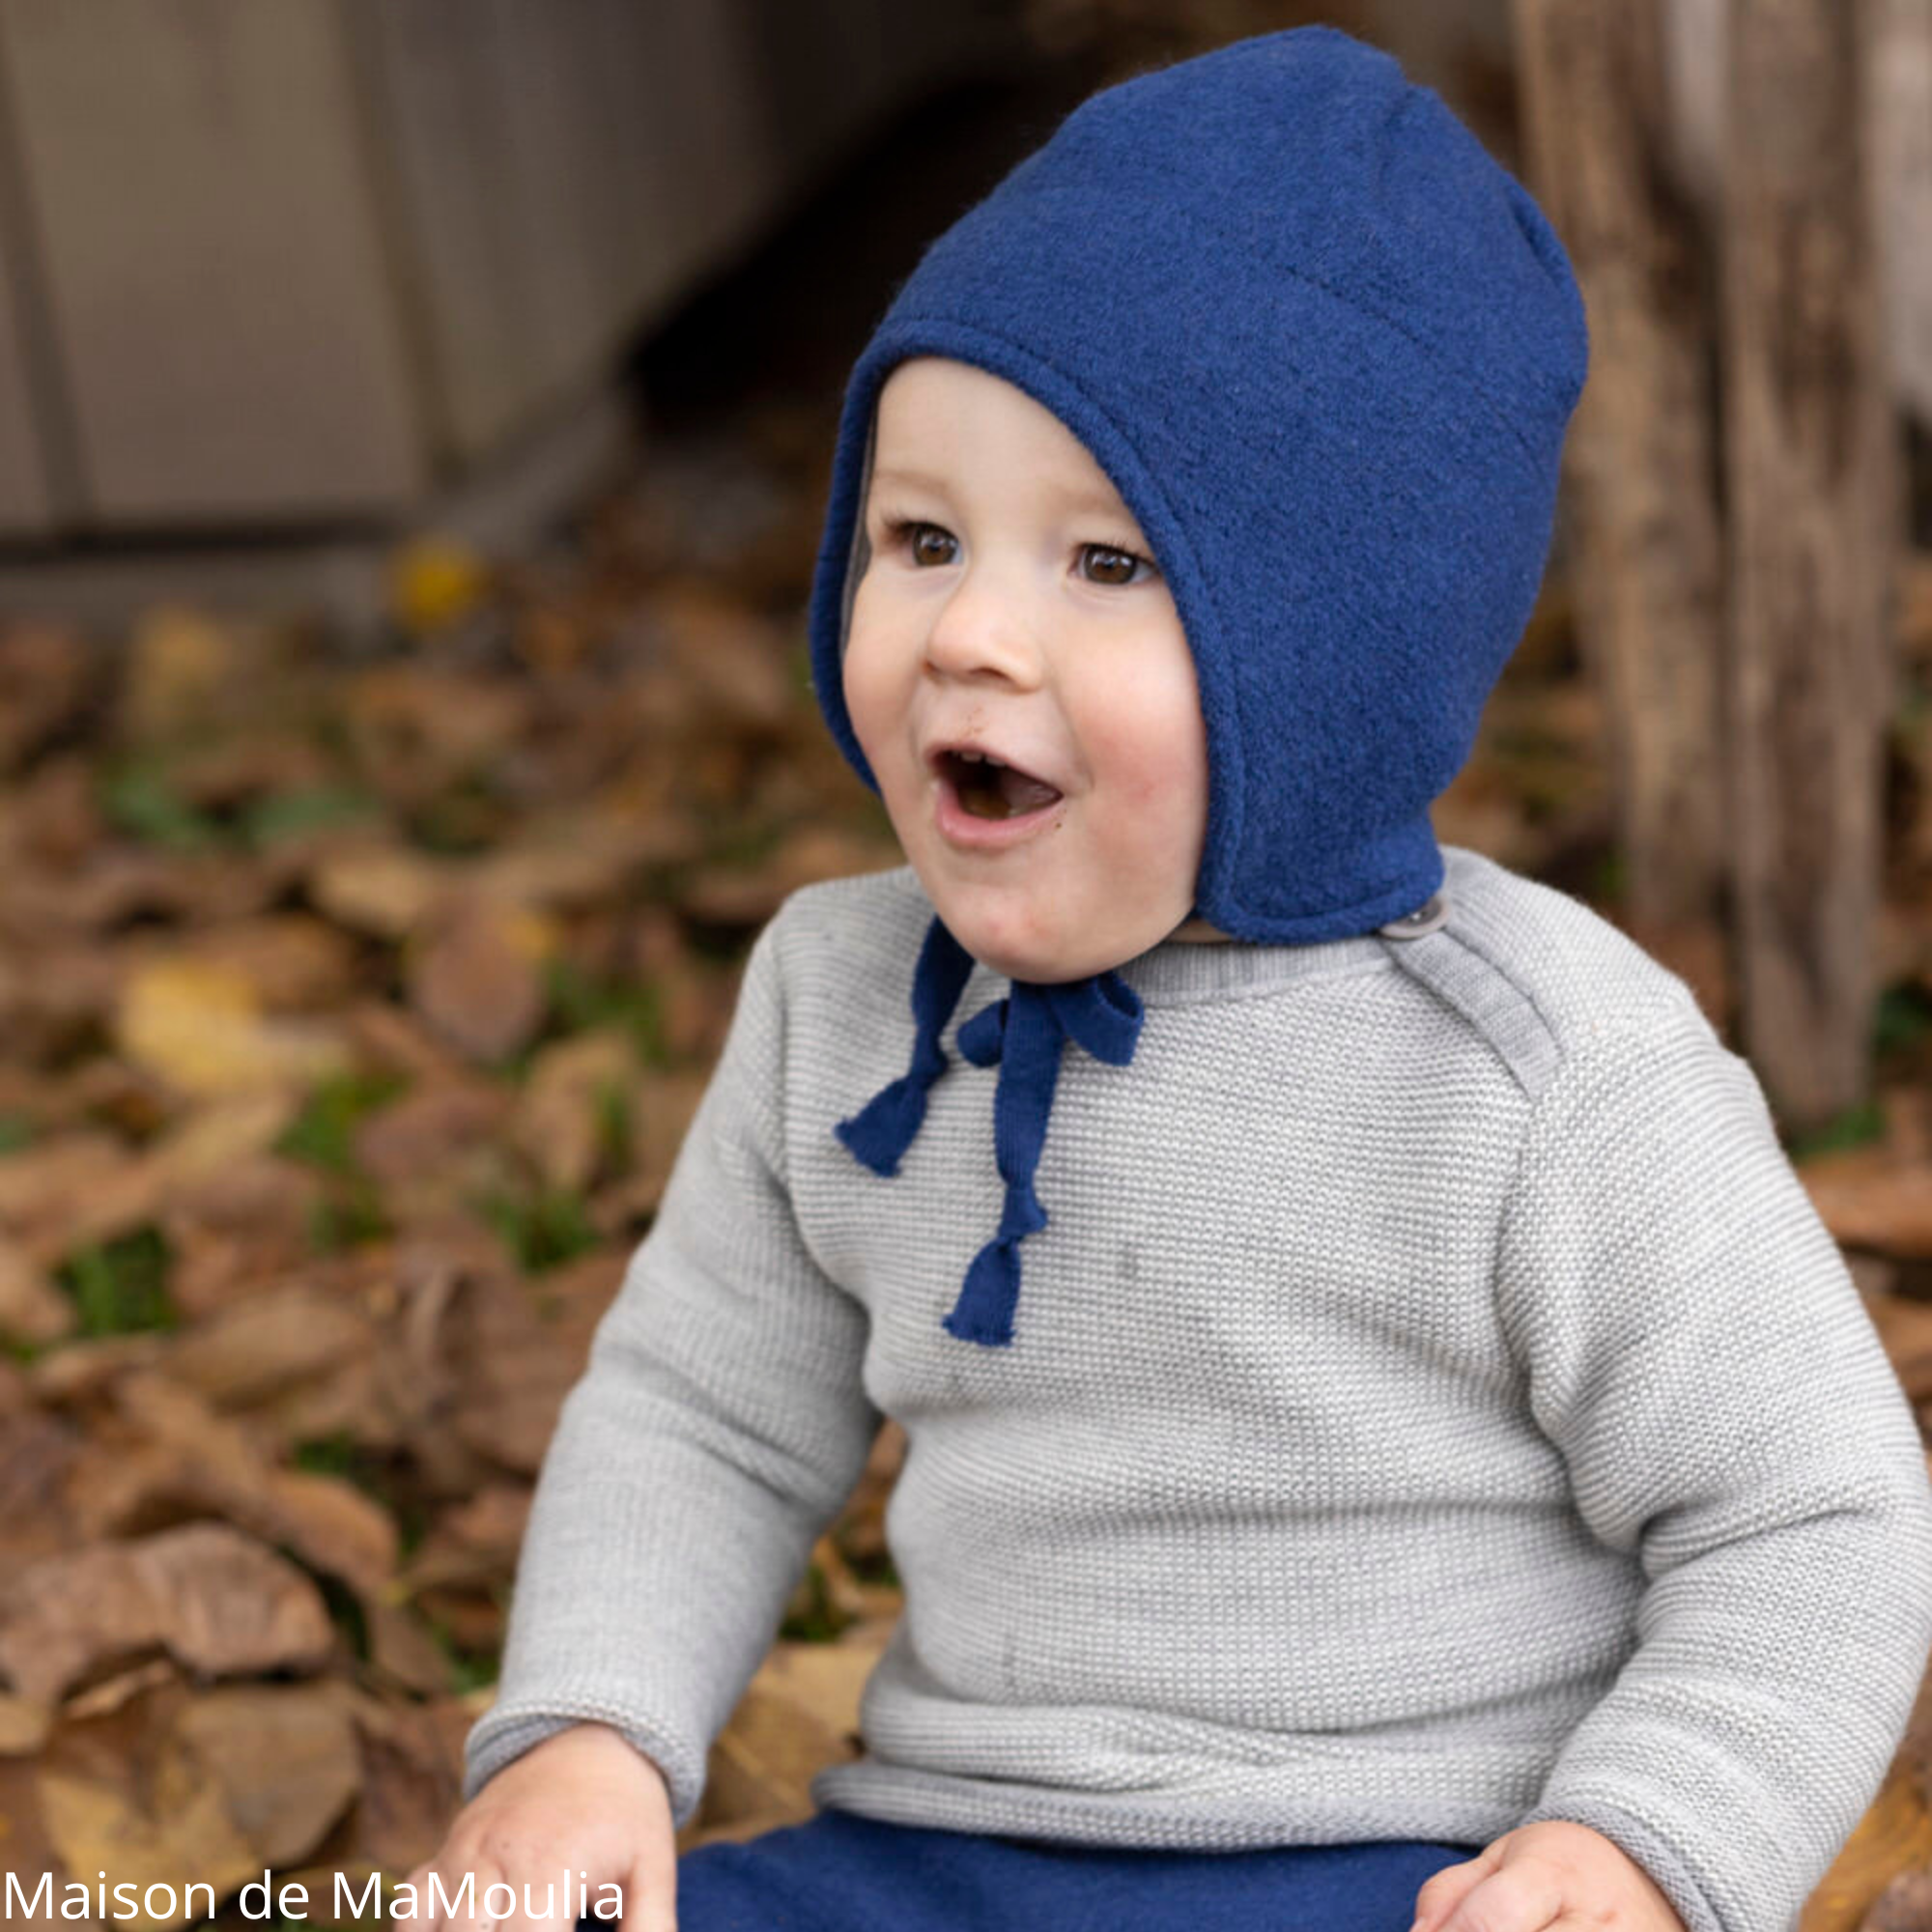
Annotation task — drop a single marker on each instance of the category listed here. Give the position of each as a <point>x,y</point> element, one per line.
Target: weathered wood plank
<point>1640,460</point>
<point>26,493</point>
<point>1814,513</point>
<point>213,267</point>
<point>437,106</point>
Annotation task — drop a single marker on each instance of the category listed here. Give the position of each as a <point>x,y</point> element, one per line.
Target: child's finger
<point>650,1897</point>
<point>533,1887</point>
<point>1522,1897</point>
<point>467,1892</point>
<point>1445,1890</point>
<point>441,1902</point>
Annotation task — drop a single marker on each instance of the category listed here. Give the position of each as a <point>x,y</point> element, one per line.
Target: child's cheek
<point>864,680</point>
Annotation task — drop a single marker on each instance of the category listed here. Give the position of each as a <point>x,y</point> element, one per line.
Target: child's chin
<point>1045,962</point>
<point>1001,949</point>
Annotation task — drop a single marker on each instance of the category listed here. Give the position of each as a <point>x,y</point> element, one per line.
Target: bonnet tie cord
<point>1022,1033</point>
<point>882,1130</point>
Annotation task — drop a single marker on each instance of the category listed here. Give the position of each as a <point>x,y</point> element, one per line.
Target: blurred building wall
<point>273,263</point>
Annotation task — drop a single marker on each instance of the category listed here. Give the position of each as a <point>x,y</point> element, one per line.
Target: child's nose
<point>983,631</point>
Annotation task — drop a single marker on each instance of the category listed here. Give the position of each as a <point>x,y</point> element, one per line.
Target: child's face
<point>1012,602</point>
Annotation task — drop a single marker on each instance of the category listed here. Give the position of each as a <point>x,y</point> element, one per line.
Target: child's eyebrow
<point>1083,502</point>
<point>911,478</point>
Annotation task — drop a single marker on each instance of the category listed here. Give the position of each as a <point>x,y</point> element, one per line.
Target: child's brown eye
<point>931,545</point>
<point>1103,563</point>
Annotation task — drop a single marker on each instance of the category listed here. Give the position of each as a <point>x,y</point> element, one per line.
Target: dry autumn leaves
<point>355,1008</point>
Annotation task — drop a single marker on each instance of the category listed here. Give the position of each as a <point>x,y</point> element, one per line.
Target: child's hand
<point>1551,1873</point>
<point>584,1803</point>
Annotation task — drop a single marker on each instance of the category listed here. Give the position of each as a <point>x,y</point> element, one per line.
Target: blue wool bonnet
<point>1326,349</point>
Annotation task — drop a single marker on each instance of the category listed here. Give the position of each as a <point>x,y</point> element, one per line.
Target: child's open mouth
<point>984,802</point>
<point>989,789</point>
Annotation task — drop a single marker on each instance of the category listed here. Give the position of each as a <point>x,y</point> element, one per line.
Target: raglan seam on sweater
<point>1553,1037</point>
<point>1427,959</point>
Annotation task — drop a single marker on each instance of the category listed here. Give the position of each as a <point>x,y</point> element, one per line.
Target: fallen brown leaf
<point>201,1028</point>
<point>797,1716</point>
<point>173,1454</point>
<point>32,1309</point>
<point>475,975</point>
<point>559,1122</point>
<point>285,1333</point>
<point>283,1758</point>
<point>219,1603</point>
<point>47,675</point>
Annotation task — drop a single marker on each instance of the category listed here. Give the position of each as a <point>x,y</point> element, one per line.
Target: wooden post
<point>1641,462</point>
<point>1813,525</point>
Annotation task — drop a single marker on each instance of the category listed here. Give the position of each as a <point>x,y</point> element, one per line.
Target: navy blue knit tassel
<point>882,1130</point>
<point>1022,1033</point>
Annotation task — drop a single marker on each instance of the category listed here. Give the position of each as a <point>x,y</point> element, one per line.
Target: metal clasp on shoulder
<point>1428,916</point>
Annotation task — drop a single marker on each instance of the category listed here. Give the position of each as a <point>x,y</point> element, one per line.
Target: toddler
<point>1389,1439</point>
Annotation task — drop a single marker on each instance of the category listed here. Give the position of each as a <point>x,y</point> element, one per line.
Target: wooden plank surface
<point>438,96</point>
<point>1815,510</point>
<point>1640,458</point>
<point>26,495</point>
<point>215,273</point>
<point>305,258</point>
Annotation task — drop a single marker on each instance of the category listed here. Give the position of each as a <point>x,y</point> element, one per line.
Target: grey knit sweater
<point>1434,1404</point>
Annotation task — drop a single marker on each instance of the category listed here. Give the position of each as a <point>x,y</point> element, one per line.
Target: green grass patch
<point>137,798</point>
<point>350,1216</point>
<point>542,1229</point>
<point>287,814</point>
<point>1903,1020</point>
<point>324,1132</point>
<point>1609,878</point>
<point>340,1456</point>
<point>468,1670</point>
<point>120,1286</point>
<point>1855,1127</point>
<point>582,1004</point>
<point>616,1147</point>
<point>810,1616</point>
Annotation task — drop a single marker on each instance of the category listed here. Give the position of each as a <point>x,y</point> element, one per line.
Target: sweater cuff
<point>504,1733</point>
<point>1642,1842</point>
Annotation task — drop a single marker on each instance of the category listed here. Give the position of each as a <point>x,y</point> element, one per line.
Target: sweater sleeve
<point>718,1425</point>
<point>1697,1349</point>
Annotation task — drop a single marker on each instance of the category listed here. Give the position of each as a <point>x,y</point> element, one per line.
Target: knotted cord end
<point>883,1128</point>
<point>983,1313</point>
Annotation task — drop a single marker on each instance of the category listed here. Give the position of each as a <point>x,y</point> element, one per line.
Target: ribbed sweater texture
<point>1435,1405</point>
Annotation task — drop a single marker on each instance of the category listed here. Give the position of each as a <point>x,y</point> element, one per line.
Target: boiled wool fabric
<point>1438,1407</point>
<point>1326,349</point>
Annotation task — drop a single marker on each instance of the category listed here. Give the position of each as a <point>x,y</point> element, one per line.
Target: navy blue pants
<point>839,1872</point>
